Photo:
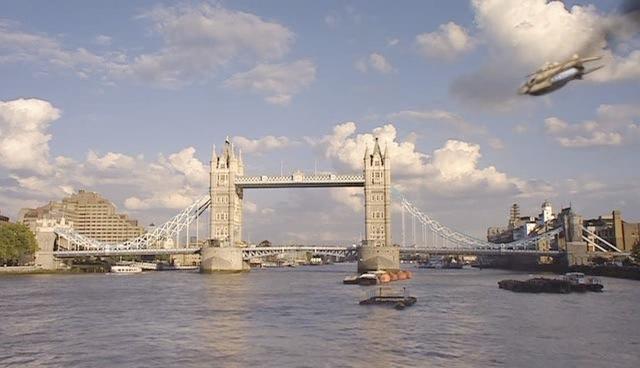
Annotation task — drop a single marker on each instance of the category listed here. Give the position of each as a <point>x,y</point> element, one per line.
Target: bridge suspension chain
<point>168,230</point>
<point>465,241</point>
<point>592,239</point>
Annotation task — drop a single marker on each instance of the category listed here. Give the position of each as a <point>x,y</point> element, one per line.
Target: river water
<point>305,317</point>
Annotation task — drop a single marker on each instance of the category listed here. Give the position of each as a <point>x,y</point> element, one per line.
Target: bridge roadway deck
<point>300,181</point>
<point>261,252</point>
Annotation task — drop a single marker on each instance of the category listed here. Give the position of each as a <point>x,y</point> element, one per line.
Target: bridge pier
<point>378,258</point>
<point>222,259</point>
<point>44,256</point>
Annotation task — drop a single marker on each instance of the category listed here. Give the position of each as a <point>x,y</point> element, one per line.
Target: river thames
<point>305,317</point>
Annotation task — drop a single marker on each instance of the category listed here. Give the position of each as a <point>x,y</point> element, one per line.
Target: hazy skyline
<point>128,99</point>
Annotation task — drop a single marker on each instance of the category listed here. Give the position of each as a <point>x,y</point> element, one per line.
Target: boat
<point>441,263</point>
<point>125,269</point>
<point>571,282</point>
<point>536,285</point>
<point>579,282</point>
<point>381,296</point>
<point>351,280</point>
<point>367,279</point>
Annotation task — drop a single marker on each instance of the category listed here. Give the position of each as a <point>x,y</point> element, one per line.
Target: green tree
<point>17,244</point>
<point>635,252</point>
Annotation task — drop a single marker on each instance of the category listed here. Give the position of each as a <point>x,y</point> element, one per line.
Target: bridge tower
<point>223,252</point>
<point>226,197</point>
<point>377,251</point>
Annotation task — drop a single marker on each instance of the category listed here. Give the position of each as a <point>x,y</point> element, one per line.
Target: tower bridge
<point>226,189</point>
<point>224,249</point>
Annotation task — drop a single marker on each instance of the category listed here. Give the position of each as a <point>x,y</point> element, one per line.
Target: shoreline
<point>34,270</point>
<point>619,272</point>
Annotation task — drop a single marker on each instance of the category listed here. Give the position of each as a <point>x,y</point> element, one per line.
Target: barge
<point>571,282</point>
<point>382,297</point>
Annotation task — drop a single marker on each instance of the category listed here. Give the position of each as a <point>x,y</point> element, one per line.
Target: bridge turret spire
<point>376,148</point>
<point>214,156</point>
<point>228,153</point>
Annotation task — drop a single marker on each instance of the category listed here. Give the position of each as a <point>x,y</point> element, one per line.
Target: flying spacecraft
<point>553,76</point>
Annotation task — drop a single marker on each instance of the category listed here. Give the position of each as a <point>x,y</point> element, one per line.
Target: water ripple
<point>305,317</point>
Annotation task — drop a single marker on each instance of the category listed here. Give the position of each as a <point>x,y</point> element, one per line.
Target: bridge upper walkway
<point>300,180</point>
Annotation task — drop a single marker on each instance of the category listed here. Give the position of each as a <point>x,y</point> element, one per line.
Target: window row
<point>222,216</point>
<point>222,199</point>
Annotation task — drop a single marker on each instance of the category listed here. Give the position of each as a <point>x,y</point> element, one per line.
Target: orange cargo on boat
<point>402,275</point>
<point>394,276</point>
<point>384,278</point>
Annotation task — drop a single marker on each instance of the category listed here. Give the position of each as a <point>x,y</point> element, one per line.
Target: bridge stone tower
<point>226,197</point>
<point>377,251</point>
<point>223,252</point>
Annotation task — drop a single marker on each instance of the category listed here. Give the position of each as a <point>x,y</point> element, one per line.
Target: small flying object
<point>553,76</point>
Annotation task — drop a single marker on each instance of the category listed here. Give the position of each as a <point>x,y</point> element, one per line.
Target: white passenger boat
<point>126,269</point>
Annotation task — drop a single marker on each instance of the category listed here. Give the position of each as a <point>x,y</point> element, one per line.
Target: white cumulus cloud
<point>263,144</point>
<point>453,169</point>
<point>376,62</point>
<point>614,125</point>
<point>448,42</point>
<point>24,141</point>
<point>34,177</point>
<point>278,82</point>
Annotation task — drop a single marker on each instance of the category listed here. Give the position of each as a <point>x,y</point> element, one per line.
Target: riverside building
<point>89,214</point>
<point>520,227</point>
<point>612,228</point>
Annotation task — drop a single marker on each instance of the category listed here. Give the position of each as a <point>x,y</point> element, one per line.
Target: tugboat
<point>579,282</point>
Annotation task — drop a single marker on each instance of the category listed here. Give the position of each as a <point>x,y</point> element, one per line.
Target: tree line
<point>17,244</point>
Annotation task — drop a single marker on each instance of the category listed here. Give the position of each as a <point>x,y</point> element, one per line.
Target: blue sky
<point>127,100</point>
